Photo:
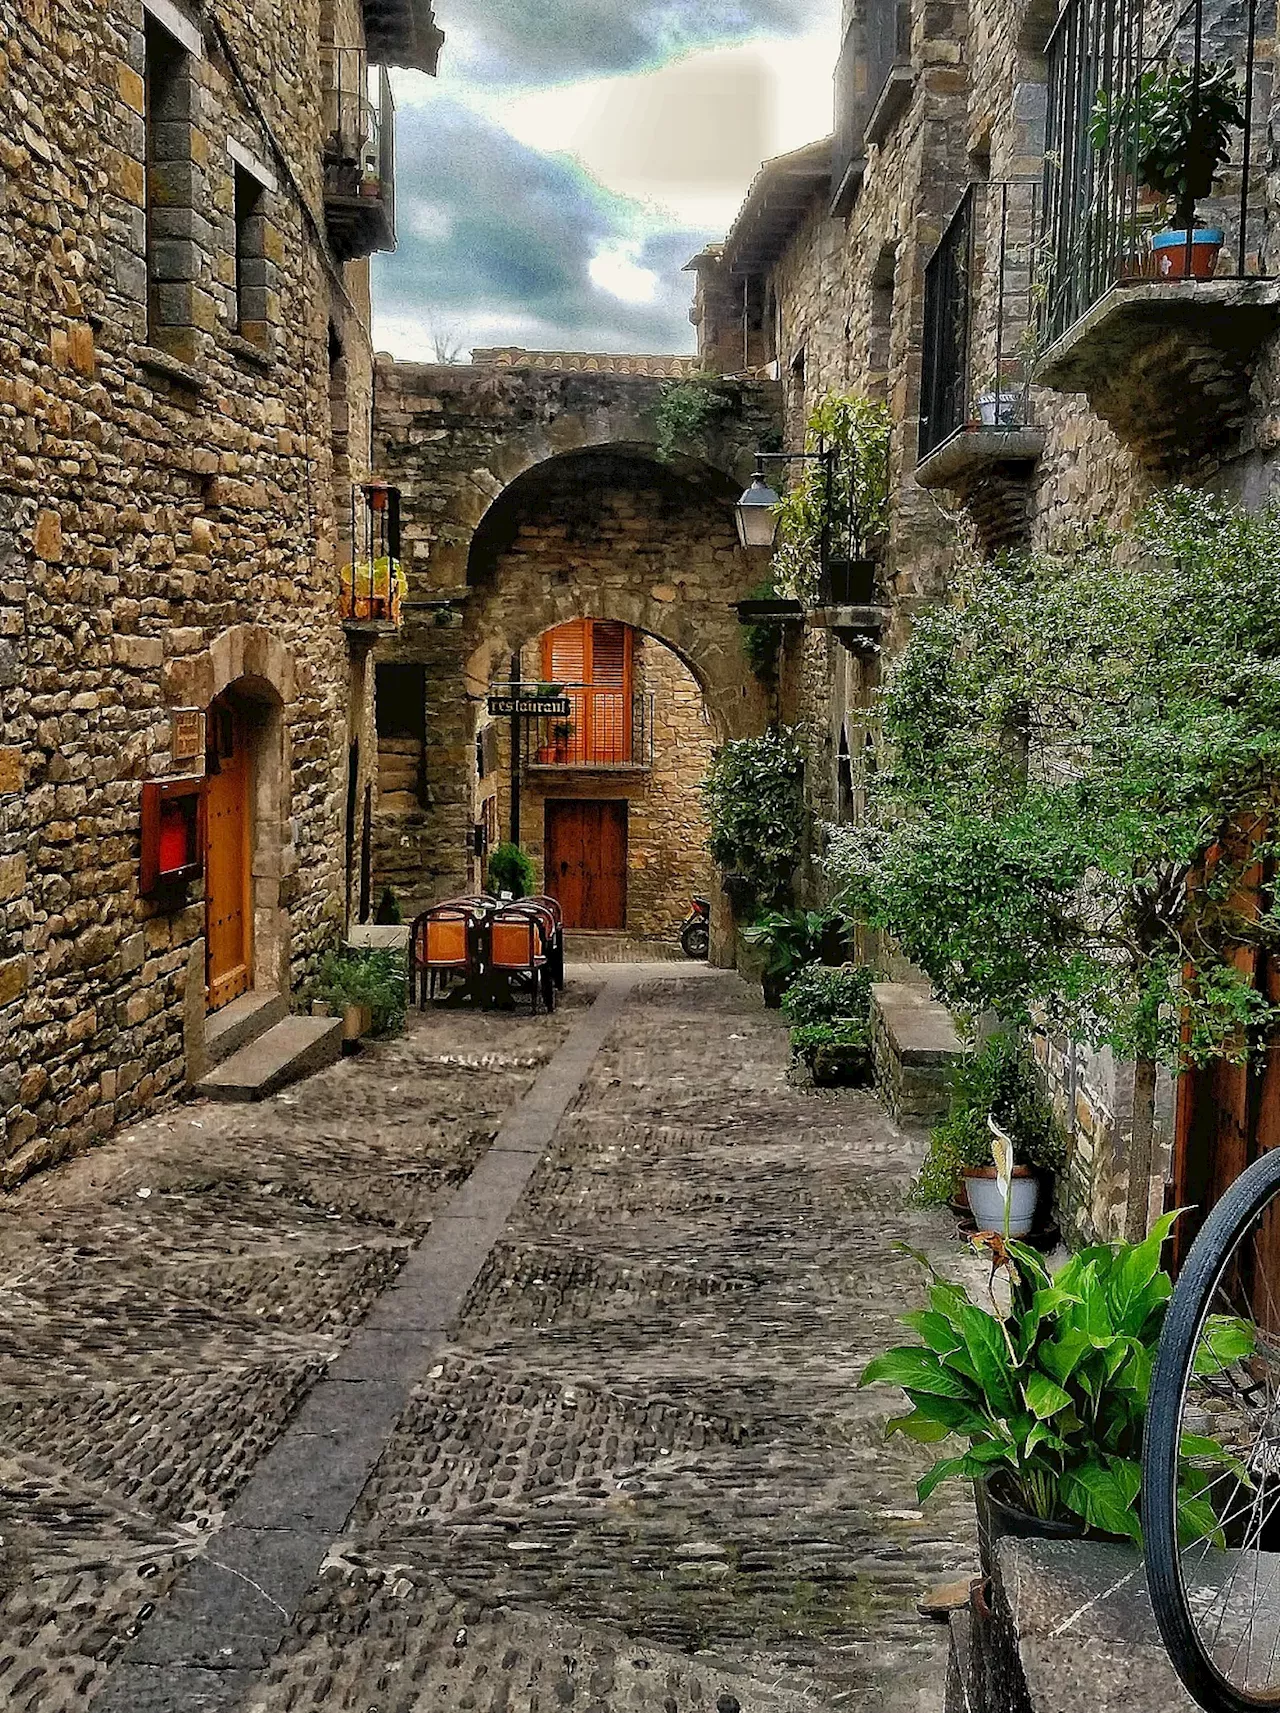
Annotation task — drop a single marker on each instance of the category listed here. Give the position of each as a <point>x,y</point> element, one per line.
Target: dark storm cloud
<point>490,229</point>
<point>554,41</point>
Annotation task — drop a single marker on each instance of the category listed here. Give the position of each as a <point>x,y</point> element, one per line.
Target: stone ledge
<point>974,449</point>
<point>1069,1629</point>
<point>1167,364</point>
<point>914,1045</point>
<point>159,362</point>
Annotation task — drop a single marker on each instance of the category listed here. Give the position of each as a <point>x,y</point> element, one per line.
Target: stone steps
<point>241,1022</point>
<point>291,1049</point>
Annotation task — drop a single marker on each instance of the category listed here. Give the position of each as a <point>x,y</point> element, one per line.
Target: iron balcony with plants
<point>359,153</point>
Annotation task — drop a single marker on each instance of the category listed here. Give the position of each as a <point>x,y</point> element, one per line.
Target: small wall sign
<point>187,737</point>
<point>531,707</point>
<point>173,824</point>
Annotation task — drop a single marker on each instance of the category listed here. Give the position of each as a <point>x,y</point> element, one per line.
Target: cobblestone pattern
<point>642,1477</point>
<point>169,1298</point>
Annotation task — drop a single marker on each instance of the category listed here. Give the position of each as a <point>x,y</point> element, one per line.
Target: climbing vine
<point>754,797</point>
<point>686,409</point>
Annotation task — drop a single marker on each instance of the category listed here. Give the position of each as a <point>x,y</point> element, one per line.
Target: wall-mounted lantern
<point>846,576</point>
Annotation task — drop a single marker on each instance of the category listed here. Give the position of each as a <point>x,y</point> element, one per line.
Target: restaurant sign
<point>531,707</point>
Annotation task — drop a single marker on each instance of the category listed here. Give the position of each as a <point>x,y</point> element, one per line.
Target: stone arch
<point>688,608</point>
<point>251,665</point>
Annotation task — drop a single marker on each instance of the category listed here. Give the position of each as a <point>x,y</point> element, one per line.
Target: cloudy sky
<point>574,154</point>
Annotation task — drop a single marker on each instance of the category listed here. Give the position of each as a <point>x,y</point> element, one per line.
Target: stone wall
<point>531,497</point>
<point>166,518</point>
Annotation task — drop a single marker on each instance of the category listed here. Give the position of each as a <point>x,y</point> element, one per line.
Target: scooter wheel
<point>695,937</point>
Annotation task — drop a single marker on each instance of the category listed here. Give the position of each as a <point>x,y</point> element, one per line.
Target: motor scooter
<point>695,936</point>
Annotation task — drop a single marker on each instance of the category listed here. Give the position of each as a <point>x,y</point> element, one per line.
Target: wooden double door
<point>586,861</point>
<point>229,844</point>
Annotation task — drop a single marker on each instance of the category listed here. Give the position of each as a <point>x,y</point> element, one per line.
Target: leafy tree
<point>754,799</point>
<point>858,506</point>
<point>1084,764</point>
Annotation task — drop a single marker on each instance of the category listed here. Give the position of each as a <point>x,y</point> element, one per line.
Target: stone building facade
<point>533,494</point>
<point>1015,420</point>
<point>187,198</point>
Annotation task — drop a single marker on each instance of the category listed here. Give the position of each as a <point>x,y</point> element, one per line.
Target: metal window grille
<point>1107,61</point>
<point>948,286</point>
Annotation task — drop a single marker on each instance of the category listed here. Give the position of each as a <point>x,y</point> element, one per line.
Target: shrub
<point>791,939</point>
<point>686,409</point>
<point>375,978</point>
<point>821,993</point>
<point>754,800</point>
<point>510,870</point>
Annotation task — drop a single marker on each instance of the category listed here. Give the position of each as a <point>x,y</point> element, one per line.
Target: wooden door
<point>228,893</point>
<point>586,862</point>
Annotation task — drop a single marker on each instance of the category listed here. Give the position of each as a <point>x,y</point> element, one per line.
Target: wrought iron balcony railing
<point>1156,149</point>
<point>606,727</point>
<point>979,308</point>
<point>372,581</point>
<point>359,153</point>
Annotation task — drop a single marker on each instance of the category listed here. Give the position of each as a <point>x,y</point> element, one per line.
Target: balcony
<point>1158,284</point>
<point>851,603</point>
<point>371,584</point>
<point>607,731</point>
<point>359,154</point>
<point>977,435</point>
<point>872,87</point>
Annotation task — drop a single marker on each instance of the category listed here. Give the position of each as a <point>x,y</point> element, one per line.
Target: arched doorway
<point>242,803</point>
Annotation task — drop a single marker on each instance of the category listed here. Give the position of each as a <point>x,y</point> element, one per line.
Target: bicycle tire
<point>1193,1295</point>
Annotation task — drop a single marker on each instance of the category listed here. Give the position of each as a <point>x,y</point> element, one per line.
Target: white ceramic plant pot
<point>987,1204</point>
<point>999,410</point>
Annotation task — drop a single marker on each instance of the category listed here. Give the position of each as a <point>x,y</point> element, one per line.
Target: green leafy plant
<point>997,1081</point>
<point>754,798</point>
<point>510,870</point>
<point>1174,130</point>
<point>1052,1392</point>
<point>1080,771</point>
<point>790,939</point>
<point>686,409</point>
<point>821,993</point>
<point>372,977</point>
<point>762,644</point>
<point>857,505</point>
<point>809,1038</point>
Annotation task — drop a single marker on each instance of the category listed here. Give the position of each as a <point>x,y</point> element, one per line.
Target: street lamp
<point>756,511</point>
<point>757,514</point>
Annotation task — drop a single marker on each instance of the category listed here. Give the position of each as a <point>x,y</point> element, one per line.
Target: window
<point>169,191</point>
<point>400,711</point>
<point>593,659</point>
<point>250,315</point>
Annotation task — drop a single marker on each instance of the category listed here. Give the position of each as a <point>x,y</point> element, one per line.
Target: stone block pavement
<point>508,1367</point>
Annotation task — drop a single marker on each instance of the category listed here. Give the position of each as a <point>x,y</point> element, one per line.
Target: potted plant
<point>1177,130</point>
<point>789,939</point>
<point>999,405</point>
<point>997,1083</point>
<point>511,871</point>
<point>1049,1391</point>
<point>561,733</point>
<point>830,1011</point>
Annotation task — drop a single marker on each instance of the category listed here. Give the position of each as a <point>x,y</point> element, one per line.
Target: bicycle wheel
<point>1211,1455</point>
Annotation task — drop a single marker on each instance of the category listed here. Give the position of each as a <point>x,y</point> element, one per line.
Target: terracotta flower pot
<point>1169,251</point>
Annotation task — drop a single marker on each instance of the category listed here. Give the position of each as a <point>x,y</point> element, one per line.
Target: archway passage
<point>610,794</point>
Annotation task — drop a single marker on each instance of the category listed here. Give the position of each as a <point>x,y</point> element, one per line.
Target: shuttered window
<point>592,657</point>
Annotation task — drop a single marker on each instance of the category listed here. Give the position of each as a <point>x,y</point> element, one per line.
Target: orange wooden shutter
<point>597,654</point>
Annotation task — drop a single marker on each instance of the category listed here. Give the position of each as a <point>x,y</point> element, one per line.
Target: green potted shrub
<point>366,988</point>
<point>1049,1393</point>
<point>1177,133</point>
<point>830,1011</point>
<point>754,798</point>
<point>789,939</point>
<point>510,870</point>
<point>996,1081</point>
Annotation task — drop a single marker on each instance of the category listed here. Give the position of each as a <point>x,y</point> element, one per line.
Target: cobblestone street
<point>633,1473</point>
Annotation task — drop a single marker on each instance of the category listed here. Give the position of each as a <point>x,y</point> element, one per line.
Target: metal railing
<point>1157,132</point>
<point>605,728</point>
<point>979,314</point>
<point>359,128</point>
<point>371,583</point>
